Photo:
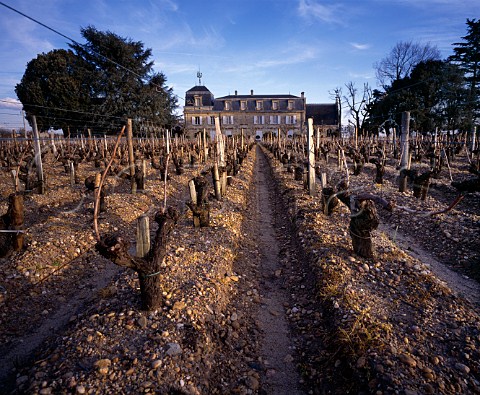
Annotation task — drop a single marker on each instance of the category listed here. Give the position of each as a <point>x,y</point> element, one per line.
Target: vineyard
<point>263,272</point>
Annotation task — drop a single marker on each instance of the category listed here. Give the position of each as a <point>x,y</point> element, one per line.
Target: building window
<point>274,119</point>
<point>227,119</point>
<point>210,120</point>
<point>198,101</point>
<point>228,106</point>
<point>291,119</point>
<point>259,120</point>
<point>196,120</point>
<point>259,105</point>
<point>275,105</point>
<point>243,105</point>
<point>290,104</point>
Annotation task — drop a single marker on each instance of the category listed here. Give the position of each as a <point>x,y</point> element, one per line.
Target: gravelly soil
<point>270,298</point>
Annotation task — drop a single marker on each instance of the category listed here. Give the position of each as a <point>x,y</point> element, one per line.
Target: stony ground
<point>387,325</point>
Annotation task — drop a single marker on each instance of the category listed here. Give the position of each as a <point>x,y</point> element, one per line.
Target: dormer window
<point>243,105</point>
<point>198,101</point>
<point>275,105</point>
<point>228,106</point>
<point>259,105</point>
<point>290,104</point>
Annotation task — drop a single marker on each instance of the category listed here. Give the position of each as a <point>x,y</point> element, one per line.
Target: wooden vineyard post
<point>144,173</point>
<point>473,142</point>
<point>205,147</point>
<point>52,143</point>
<point>38,156</point>
<point>199,202</point>
<point>402,187</point>
<point>193,192</point>
<point>216,182</point>
<point>131,157</point>
<point>311,159</point>
<point>219,164</point>
<point>143,236</point>
<point>72,173</point>
<point>242,141</point>
<point>220,149</point>
<point>16,184</point>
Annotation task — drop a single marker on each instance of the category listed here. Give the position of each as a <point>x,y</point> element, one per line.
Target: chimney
<point>302,94</point>
<point>236,93</point>
<point>251,92</point>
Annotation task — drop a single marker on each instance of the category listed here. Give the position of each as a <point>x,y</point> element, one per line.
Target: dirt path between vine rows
<point>277,347</point>
<point>23,349</point>
<point>459,283</point>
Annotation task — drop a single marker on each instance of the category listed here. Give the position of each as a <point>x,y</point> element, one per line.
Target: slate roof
<point>252,103</point>
<point>199,89</point>
<point>322,114</point>
<point>207,96</point>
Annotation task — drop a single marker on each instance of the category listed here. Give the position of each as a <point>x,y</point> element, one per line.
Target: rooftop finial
<point>199,76</point>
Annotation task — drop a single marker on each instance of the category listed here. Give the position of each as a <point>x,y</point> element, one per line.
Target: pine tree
<point>467,56</point>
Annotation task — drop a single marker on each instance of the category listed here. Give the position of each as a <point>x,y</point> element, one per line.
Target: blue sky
<point>270,46</point>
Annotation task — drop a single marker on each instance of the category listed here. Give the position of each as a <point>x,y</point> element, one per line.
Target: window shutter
<point>255,119</point>
<point>231,119</point>
<point>200,120</point>
<point>193,120</point>
<point>294,119</point>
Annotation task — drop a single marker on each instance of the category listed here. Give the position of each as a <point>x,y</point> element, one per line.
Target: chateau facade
<point>255,115</point>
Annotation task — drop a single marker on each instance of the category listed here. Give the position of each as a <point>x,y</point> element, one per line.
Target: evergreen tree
<point>51,90</point>
<point>467,56</point>
<point>434,94</point>
<point>97,85</point>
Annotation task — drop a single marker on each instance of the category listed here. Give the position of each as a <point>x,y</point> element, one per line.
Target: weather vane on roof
<point>199,76</point>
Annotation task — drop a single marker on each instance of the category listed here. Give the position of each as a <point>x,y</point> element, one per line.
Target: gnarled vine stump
<point>12,221</point>
<point>329,200</point>
<point>363,220</point>
<point>199,203</point>
<point>151,267</point>
<point>421,184</point>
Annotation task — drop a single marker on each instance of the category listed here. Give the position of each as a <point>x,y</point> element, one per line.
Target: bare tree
<point>357,103</point>
<point>403,57</point>
<point>336,95</point>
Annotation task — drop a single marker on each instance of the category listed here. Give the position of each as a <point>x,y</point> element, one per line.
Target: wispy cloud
<point>10,103</point>
<point>311,9</point>
<point>360,47</point>
<point>184,37</point>
<point>366,76</point>
<point>296,54</point>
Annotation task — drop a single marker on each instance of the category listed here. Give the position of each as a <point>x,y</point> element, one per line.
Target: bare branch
<point>99,190</point>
